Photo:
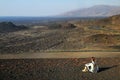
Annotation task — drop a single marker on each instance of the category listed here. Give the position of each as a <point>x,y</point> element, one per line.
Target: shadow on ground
<point>101,69</point>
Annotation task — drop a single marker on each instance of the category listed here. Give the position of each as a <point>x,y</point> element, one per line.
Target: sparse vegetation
<point>64,35</point>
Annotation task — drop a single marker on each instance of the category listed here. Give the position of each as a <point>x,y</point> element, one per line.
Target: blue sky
<point>47,7</point>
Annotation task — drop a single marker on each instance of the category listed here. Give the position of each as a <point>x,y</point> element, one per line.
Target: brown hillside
<point>111,22</point>
<point>103,39</point>
<point>115,20</point>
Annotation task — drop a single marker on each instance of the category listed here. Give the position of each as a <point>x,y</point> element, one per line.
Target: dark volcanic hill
<point>95,11</point>
<point>9,27</point>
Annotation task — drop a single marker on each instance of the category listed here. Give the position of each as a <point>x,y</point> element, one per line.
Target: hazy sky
<point>46,7</point>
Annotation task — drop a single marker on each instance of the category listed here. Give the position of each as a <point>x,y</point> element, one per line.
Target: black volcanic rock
<point>9,27</point>
<point>68,26</point>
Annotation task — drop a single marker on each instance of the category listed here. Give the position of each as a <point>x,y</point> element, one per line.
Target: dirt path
<point>60,55</point>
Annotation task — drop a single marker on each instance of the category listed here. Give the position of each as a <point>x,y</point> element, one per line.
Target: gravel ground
<point>58,69</point>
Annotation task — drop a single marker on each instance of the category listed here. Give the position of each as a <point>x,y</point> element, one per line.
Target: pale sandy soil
<point>60,55</point>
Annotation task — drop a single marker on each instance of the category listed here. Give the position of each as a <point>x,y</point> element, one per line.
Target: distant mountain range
<point>94,11</point>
